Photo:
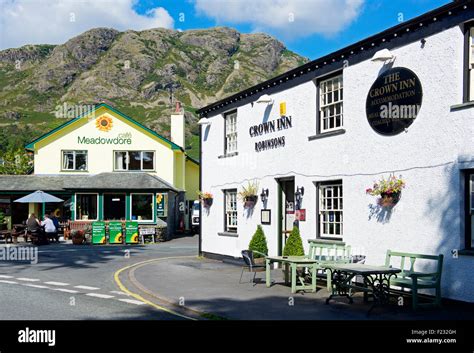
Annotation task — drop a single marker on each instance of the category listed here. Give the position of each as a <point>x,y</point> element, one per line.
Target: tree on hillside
<point>15,161</point>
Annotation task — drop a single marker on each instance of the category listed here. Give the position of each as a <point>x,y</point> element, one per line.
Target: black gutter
<point>200,189</point>
<point>429,23</point>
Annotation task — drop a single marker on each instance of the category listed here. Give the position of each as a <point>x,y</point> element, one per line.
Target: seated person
<point>50,228</point>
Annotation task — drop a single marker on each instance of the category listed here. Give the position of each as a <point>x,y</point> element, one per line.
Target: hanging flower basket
<point>206,199</point>
<point>389,190</point>
<point>250,201</point>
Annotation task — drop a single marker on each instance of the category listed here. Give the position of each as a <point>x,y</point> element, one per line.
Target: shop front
<point>370,146</point>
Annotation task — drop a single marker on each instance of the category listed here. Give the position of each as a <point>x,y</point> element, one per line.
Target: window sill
<point>326,134</point>
<point>228,234</point>
<point>228,155</point>
<point>462,106</point>
<point>73,171</point>
<point>466,252</point>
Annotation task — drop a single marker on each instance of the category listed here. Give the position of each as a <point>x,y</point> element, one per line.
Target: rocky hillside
<point>137,72</point>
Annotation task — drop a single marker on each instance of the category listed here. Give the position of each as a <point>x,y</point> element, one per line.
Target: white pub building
<point>398,104</point>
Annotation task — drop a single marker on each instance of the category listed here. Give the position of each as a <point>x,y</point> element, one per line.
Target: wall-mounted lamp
<point>264,195</point>
<point>299,196</point>
<point>383,56</point>
<point>204,121</point>
<point>265,99</point>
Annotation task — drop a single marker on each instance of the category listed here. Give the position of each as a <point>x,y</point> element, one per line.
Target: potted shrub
<point>78,237</point>
<point>248,194</point>
<point>259,243</point>
<point>3,223</point>
<point>294,244</point>
<point>206,199</point>
<point>389,190</point>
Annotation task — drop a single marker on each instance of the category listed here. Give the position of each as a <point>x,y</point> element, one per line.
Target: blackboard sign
<point>394,101</point>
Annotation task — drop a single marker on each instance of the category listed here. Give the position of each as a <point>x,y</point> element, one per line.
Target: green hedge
<point>259,242</point>
<point>294,244</point>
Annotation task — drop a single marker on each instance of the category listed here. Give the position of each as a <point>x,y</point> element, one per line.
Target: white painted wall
<point>101,156</point>
<point>429,217</point>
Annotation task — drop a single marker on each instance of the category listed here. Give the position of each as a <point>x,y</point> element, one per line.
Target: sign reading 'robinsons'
<point>279,124</point>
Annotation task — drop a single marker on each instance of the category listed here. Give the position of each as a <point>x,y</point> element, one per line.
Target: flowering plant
<point>387,187</point>
<point>205,195</point>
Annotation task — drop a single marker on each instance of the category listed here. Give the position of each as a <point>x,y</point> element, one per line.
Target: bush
<point>294,244</point>
<point>259,242</point>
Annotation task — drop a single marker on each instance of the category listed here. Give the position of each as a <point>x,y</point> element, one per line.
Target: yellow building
<point>108,166</point>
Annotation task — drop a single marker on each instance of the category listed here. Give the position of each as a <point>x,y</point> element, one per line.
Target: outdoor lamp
<point>299,196</point>
<point>265,99</point>
<point>264,195</point>
<point>204,121</point>
<point>383,55</point>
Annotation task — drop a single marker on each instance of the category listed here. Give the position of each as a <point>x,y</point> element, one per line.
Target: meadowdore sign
<point>394,101</point>
<point>121,139</point>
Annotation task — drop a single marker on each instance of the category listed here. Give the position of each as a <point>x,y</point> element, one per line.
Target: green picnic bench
<point>416,280</point>
<point>328,252</point>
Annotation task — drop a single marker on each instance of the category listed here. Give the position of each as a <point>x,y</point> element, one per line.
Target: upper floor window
<point>330,104</point>
<point>230,125</point>
<point>230,213</point>
<point>74,160</point>
<point>469,62</point>
<point>134,160</point>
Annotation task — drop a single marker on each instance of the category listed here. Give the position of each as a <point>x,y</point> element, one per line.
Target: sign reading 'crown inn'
<point>394,101</point>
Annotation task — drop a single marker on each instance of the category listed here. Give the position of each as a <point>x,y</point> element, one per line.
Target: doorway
<point>286,210</point>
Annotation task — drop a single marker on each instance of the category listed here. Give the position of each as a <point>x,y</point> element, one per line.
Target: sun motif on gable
<point>103,123</point>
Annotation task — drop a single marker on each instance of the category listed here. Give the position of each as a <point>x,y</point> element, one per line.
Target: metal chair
<point>249,261</point>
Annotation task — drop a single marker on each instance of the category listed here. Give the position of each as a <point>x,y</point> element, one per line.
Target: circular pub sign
<point>394,101</point>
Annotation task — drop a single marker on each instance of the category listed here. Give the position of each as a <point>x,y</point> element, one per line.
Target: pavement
<point>167,281</point>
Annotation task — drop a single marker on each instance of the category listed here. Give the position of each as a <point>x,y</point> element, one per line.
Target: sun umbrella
<point>38,197</point>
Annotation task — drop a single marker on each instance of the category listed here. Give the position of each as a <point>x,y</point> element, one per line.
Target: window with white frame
<point>330,104</point>
<point>74,160</point>
<point>330,209</point>
<point>134,160</point>
<point>230,122</point>
<point>230,201</point>
<point>470,62</point>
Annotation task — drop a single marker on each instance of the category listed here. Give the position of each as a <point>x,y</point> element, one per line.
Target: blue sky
<point>310,28</point>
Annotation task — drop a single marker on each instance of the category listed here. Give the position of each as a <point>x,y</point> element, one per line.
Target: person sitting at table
<point>49,228</point>
<point>33,227</point>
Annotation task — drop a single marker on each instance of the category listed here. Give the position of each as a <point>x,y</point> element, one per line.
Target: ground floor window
<point>469,201</point>
<point>330,209</point>
<point>230,213</point>
<point>86,206</point>
<point>114,207</point>
<point>142,207</point>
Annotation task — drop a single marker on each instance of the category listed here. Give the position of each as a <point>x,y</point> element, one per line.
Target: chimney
<point>177,126</point>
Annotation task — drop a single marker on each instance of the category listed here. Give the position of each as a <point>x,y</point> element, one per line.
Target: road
<point>72,282</point>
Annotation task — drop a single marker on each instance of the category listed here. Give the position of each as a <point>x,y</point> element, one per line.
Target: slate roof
<point>102,181</point>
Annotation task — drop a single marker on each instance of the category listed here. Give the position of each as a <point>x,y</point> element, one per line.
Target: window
<point>330,104</point>
<point>74,160</point>
<point>230,200</point>
<point>134,160</point>
<point>230,124</point>
<point>469,202</point>
<point>469,63</point>
<point>142,207</point>
<point>86,206</point>
<point>114,207</point>
<point>330,209</point>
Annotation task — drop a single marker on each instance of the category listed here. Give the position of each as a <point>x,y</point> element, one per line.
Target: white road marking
<point>5,281</point>
<point>5,276</point>
<point>35,285</point>
<point>86,287</point>
<point>28,279</point>
<point>131,301</point>
<point>118,292</point>
<point>65,290</point>
<point>98,295</point>
<point>57,283</point>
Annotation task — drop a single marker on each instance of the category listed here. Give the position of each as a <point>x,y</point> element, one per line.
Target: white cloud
<point>288,18</point>
<point>49,21</point>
